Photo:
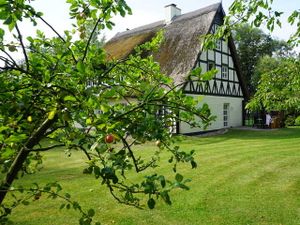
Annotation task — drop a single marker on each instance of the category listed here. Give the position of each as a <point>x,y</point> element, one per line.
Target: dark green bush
<point>297,121</point>
<point>290,121</point>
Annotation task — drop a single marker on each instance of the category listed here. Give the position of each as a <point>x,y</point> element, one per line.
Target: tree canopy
<point>252,45</point>
<point>279,86</point>
<point>67,92</point>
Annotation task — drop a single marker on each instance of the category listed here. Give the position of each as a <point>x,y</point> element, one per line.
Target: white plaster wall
<point>203,56</point>
<point>215,104</point>
<point>211,55</point>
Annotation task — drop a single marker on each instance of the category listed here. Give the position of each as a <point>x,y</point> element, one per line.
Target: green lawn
<point>243,178</point>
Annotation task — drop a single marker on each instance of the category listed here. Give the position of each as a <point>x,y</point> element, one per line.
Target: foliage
<point>65,91</point>
<point>290,120</point>
<point>256,13</point>
<point>297,121</point>
<point>252,45</point>
<point>279,86</point>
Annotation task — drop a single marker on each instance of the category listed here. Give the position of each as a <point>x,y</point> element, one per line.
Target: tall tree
<point>252,45</point>
<point>279,86</point>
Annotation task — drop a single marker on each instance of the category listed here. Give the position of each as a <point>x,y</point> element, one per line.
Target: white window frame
<point>224,74</point>
<point>226,114</point>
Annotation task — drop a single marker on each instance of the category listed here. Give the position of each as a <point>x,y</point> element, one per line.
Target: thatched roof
<point>182,45</point>
<point>179,51</point>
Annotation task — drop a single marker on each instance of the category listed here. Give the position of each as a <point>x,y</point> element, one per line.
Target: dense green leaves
<point>252,45</point>
<point>279,85</point>
<point>68,93</point>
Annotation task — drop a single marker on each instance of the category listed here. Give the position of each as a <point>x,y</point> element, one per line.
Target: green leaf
<point>80,67</point>
<point>51,115</point>
<point>91,212</point>
<point>165,196</point>
<point>151,203</point>
<point>88,121</point>
<point>8,21</point>
<point>67,195</point>
<point>25,202</point>
<point>178,177</point>
<point>162,181</point>
<point>70,98</point>
<point>194,164</point>
<point>62,206</point>
<point>2,32</point>
<point>209,74</point>
<point>183,186</point>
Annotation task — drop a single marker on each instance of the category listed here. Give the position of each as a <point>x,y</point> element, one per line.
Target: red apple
<point>109,138</point>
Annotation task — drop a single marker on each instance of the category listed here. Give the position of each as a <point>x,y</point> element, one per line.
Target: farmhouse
<point>182,51</point>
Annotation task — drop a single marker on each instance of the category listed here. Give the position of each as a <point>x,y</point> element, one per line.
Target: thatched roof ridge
<point>196,13</point>
<point>151,26</point>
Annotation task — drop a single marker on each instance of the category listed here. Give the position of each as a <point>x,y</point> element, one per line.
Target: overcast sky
<point>146,11</point>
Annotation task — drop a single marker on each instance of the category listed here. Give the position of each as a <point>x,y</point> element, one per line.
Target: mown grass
<point>243,178</point>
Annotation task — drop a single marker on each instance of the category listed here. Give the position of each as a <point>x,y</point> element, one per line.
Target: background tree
<point>46,102</point>
<point>279,85</point>
<point>252,45</point>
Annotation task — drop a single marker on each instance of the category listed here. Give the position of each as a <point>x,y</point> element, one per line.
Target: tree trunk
<point>16,166</point>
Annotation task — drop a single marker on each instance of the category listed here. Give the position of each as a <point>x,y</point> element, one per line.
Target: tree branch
<point>137,169</point>
<point>23,46</point>
<point>83,149</point>
<point>17,164</point>
<point>52,28</point>
<point>47,148</point>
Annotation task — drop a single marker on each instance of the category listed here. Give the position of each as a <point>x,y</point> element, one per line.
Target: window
<point>225,114</point>
<point>224,72</point>
<point>219,45</point>
<point>211,65</point>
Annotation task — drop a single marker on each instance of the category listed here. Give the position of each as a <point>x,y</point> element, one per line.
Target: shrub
<point>289,121</point>
<point>297,121</point>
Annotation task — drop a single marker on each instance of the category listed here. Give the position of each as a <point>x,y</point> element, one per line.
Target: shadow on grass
<point>278,134</point>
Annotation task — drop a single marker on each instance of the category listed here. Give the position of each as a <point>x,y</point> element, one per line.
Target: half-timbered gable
<point>182,51</point>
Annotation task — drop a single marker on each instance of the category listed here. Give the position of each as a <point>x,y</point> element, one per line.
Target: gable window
<point>211,65</point>
<point>224,72</point>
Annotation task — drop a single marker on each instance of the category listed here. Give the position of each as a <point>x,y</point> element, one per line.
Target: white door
<point>226,114</point>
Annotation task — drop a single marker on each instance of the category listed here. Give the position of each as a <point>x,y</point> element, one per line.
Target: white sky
<point>146,11</point>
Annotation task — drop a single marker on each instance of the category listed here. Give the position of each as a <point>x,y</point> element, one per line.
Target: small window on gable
<point>211,65</point>
<point>224,72</point>
<point>219,45</point>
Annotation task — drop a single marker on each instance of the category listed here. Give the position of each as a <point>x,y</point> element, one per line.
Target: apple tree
<point>64,92</point>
